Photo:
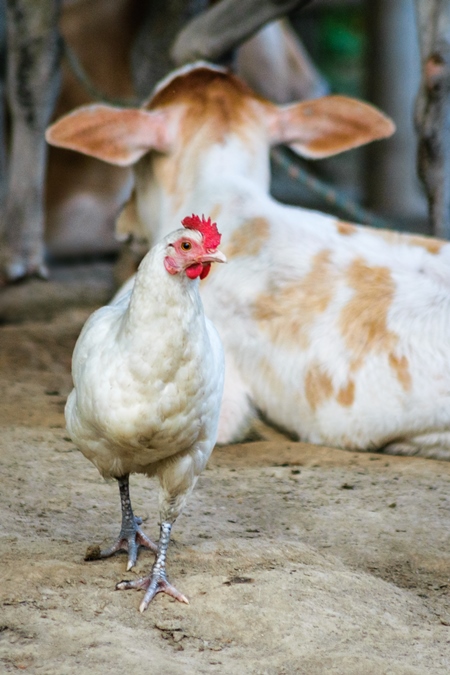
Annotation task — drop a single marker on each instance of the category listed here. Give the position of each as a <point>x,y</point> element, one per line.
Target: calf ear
<point>326,126</point>
<point>118,136</point>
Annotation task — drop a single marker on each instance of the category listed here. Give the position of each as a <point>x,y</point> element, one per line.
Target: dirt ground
<point>295,558</point>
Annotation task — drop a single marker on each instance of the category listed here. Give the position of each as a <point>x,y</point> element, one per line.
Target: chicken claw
<point>156,581</point>
<point>130,537</point>
<point>153,584</point>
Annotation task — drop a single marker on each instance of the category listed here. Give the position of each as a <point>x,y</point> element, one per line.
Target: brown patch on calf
<point>400,366</point>
<point>345,228</point>
<point>433,246</point>
<point>286,313</point>
<point>271,377</point>
<point>346,395</point>
<point>248,239</point>
<point>430,244</point>
<point>207,105</point>
<point>192,85</point>
<point>167,173</point>
<point>363,320</point>
<point>318,386</point>
<point>219,100</point>
<point>363,323</point>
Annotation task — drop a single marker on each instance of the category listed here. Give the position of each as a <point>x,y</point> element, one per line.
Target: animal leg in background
<point>130,536</point>
<point>31,90</point>
<point>237,411</point>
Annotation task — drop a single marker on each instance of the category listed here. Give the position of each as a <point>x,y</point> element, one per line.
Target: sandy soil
<point>296,558</point>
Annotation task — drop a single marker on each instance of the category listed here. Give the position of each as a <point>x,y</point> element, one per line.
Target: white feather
<point>148,379</point>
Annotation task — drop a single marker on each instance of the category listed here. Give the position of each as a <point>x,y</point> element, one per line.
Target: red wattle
<point>205,271</point>
<point>198,270</point>
<point>194,271</point>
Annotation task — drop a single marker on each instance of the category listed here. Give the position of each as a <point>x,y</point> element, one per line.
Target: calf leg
<point>237,411</point>
<point>434,445</point>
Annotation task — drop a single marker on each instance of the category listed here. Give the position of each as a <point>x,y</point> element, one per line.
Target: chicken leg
<point>156,581</point>
<point>130,536</point>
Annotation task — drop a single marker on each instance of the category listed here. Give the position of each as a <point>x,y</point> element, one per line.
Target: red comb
<point>211,235</point>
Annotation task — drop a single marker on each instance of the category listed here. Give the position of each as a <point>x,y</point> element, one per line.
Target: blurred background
<point>363,48</point>
<point>369,49</point>
<point>115,51</point>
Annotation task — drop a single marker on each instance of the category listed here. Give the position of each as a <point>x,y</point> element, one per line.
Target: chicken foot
<point>130,537</point>
<point>156,581</point>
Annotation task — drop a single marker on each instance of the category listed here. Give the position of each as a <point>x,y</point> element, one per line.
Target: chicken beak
<point>213,256</point>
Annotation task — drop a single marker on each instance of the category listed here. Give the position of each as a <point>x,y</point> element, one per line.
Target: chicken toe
<point>156,581</point>
<point>130,537</point>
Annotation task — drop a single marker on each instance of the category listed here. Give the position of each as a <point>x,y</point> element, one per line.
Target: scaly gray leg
<point>131,535</point>
<point>156,581</point>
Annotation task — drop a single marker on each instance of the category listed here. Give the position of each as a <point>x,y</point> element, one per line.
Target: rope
<point>285,159</point>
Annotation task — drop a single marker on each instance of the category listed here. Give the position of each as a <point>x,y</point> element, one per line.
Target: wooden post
<point>433,110</point>
<point>393,186</point>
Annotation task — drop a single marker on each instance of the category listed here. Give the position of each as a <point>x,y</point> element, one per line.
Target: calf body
<point>336,332</point>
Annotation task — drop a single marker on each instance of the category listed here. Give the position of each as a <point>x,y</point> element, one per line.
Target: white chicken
<point>148,379</point>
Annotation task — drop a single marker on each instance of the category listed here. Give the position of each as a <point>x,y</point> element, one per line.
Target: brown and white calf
<point>339,333</point>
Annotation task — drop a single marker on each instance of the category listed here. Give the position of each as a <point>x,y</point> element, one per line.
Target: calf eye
<point>186,245</point>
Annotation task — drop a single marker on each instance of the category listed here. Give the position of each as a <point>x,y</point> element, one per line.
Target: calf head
<point>201,109</point>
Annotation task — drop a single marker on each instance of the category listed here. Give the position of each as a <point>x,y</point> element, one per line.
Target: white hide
<point>231,179</point>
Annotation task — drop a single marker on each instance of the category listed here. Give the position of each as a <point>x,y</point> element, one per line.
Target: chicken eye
<point>186,245</point>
